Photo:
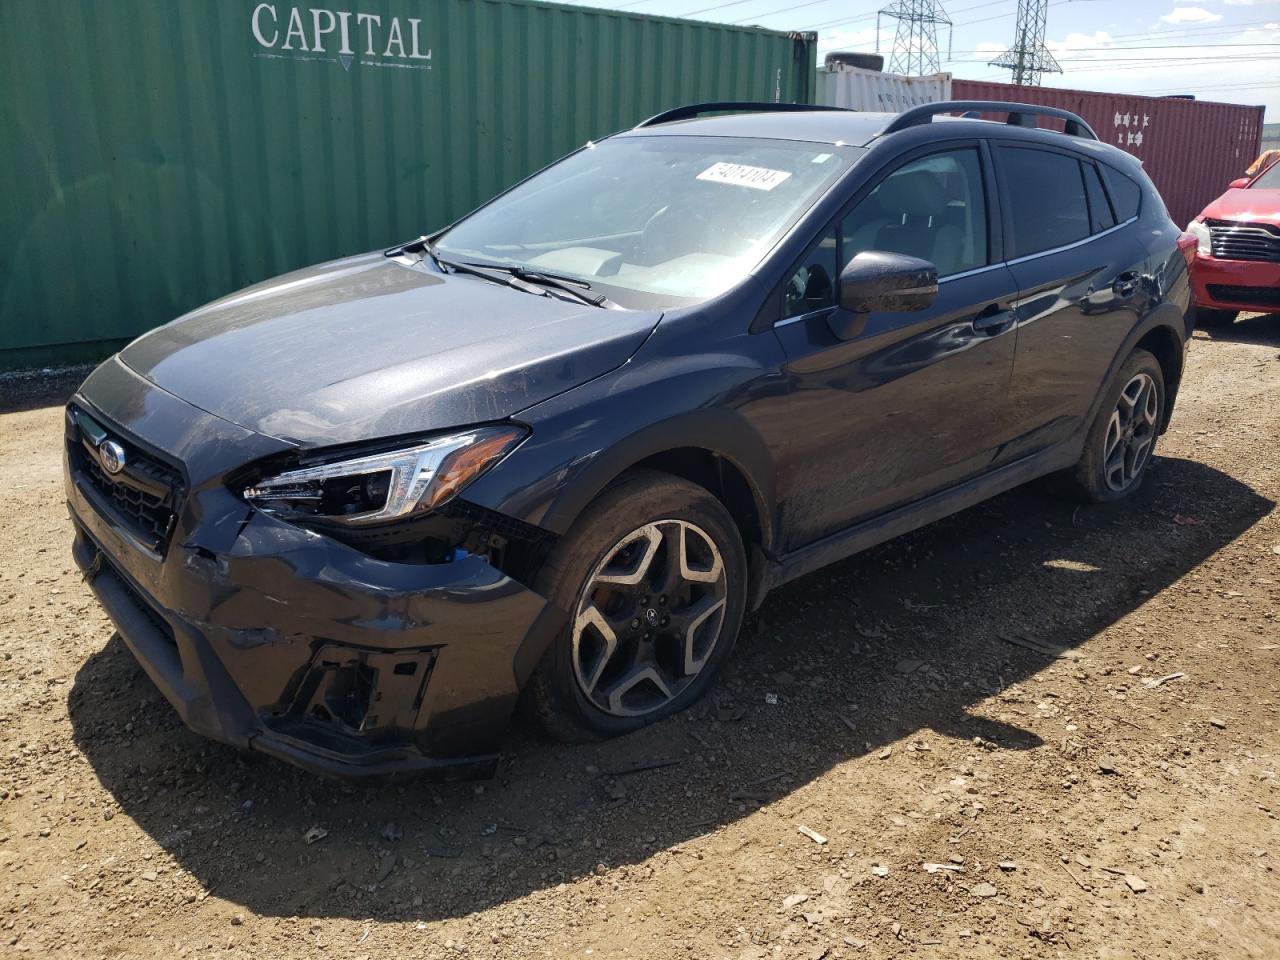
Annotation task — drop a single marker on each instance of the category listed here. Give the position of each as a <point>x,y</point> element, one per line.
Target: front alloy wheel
<point>652,582</point>
<point>649,618</point>
<point>1131,432</point>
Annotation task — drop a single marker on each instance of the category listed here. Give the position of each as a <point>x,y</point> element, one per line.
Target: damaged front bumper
<point>281,640</point>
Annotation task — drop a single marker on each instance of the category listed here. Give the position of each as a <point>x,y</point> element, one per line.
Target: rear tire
<point>1215,319</point>
<point>1123,435</point>
<point>653,578</point>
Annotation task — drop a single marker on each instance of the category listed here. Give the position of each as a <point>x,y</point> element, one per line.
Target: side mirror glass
<point>875,280</point>
<point>1238,184</point>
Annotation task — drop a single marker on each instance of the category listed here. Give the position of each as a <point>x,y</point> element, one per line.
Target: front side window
<point>1046,200</point>
<point>933,208</point>
<point>653,220</point>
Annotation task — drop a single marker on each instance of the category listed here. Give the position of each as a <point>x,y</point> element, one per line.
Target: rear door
<point>1082,281</point>
<point>916,401</point>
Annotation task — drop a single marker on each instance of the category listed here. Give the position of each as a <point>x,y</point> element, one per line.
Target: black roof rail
<point>726,106</point>
<point>1020,115</point>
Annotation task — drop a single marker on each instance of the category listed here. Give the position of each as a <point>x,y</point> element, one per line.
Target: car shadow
<point>1259,328</point>
<point>899,644</point>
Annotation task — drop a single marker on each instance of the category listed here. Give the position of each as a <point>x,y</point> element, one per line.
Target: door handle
<point>992,320</point>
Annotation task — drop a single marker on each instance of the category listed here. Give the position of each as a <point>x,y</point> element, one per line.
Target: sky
<point>1224,50</point>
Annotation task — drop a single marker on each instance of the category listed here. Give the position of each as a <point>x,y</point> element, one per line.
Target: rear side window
<point>1100,215</point>
<point>1125,194</point>
<point>1046,200</point>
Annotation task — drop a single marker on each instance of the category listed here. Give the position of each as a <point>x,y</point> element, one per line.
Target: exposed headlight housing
<point>386,486</point>
<point>1204,241</point>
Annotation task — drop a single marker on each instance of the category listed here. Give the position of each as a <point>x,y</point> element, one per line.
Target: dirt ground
<point>1031,730</point>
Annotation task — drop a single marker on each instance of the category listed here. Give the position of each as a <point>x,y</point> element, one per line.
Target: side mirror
<point>1238,184</point>
<point>875,280</point>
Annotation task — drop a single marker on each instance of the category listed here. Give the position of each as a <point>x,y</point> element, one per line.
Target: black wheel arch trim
<point>719,433</point>
<point>1165,317</point>
<point>735,443</point>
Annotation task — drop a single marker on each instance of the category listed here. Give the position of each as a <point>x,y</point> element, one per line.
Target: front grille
<point>143,498</point>
<point>1261,297</point>
<point>1245,241</point>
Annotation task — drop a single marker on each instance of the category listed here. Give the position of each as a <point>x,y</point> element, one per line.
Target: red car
<point>1237,262</point>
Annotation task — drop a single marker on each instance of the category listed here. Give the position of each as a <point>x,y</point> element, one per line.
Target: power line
<point>774,13</point>
<point>718,6</point>
<point>1157,61</point>
<point>871,16</point>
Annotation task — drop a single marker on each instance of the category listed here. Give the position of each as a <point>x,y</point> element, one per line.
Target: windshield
<point>652,220</point>
<point>1269,179</point>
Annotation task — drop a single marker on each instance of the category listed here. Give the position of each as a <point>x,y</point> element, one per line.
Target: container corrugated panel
<point>160,153</point>
<point>854,88</point>
<point>1270,137</point>
<point>1191,149</point>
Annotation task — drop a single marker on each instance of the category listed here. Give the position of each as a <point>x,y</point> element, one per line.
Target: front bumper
<point>280,640</point>
<point>1236,284</point>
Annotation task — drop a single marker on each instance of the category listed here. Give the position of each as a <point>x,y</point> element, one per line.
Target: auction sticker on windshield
<point>741,175</point>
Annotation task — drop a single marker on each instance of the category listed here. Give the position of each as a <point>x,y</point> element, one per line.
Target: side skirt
<point>886,526</point>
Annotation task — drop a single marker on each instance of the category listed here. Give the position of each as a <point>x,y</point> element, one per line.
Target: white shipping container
<point>869,90</point>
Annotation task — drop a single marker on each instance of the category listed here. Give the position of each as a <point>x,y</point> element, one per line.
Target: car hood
<point>1253,206</point>
<point>372,346</point>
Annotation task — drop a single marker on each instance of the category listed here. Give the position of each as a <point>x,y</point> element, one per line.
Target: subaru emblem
<point>112,456</point>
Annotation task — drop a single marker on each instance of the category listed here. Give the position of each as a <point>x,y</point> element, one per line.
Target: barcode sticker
<point>741,175</point>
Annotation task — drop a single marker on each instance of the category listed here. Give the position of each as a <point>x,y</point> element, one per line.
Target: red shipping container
<point>1191,149</point>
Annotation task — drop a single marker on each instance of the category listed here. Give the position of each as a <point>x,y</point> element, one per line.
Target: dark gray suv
<point>348,517</point>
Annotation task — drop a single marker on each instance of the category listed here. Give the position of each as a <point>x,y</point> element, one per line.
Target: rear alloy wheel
<point>1131,433</point>
<point>652,579</point>
<point>1123,435</point>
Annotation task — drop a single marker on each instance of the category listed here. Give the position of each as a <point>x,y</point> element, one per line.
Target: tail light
<point>1187,243</point>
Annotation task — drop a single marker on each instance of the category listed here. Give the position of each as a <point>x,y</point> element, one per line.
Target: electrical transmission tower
<point>1029,58</point>
<point>915,45</point>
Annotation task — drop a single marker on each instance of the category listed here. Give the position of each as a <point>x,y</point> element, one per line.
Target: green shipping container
<point>160,153</point>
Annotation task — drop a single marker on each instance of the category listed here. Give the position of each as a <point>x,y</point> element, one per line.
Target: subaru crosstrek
<point>558,450</point>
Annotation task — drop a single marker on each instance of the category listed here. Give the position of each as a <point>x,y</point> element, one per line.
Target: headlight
<point>1204,245</point>
<point>385,486</point>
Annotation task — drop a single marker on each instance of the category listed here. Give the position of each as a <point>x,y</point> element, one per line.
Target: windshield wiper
<point>522,278</point>
<point>570,285</point>
<point>484,271</point>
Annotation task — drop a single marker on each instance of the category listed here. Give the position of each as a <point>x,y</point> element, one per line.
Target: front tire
<point>653,579</point>
<point>1123,435</point>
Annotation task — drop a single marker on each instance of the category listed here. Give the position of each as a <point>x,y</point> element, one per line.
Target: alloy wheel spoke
<point>1151,407</point>
<point>647,540</point>
<point>593,616</point>
<point>698,573</point>
<point>646,673</point>
<point>689,622</point>
<point>1114,432</point>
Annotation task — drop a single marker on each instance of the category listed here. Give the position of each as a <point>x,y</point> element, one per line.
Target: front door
<point>915,402</point>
